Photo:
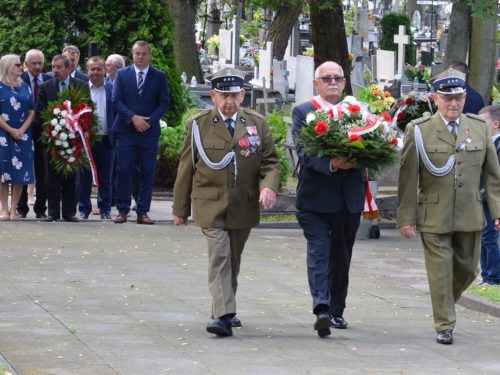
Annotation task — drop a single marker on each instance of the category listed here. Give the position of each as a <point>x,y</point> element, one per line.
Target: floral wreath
<point>70,129</point>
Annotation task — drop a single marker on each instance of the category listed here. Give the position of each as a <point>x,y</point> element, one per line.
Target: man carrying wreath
<point>60,188</point>
<point>330,199</point>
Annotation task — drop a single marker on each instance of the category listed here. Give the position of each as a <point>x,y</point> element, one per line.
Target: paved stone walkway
<point>100,298</point>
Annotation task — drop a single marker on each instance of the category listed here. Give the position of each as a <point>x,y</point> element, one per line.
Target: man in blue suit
<point>73,53</point>
<point>140,97</point>
<point>34,77</point>
<point>102,151</point>
<point>330,199</point>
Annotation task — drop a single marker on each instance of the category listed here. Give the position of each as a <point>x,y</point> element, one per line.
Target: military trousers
<point>451,261</point>
<point>224,258</point>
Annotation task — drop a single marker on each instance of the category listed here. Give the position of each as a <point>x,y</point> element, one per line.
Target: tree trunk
<point>282,26</point>
<point>184,15</point>
<point>329,36</point>
<point>459,34</point>
<point>483,55</point>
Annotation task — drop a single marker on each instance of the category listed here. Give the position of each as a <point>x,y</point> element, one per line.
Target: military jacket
<point>452,202</point>
<point>226,198</point>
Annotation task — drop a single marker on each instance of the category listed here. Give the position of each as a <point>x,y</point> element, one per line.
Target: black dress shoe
<point>445,337</point>
<point>235,322</point>
<point>322,325</point>
<point>50,219</point>
<point>41,216</point>
<point>220,327</point>
<point>71,219</point>
<point>338,322</point>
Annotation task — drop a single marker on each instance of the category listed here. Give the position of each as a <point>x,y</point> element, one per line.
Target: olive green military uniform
<point>225,202</point>
<point>447,210</point>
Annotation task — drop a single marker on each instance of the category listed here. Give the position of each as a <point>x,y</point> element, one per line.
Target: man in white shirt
<point>102,151</point>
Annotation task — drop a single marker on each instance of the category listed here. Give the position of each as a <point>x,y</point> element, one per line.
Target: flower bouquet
<point>422,72</point>
<point>414,106</point>
<point>70,129</point>
<point>348,130</point>
<point>378,101</point>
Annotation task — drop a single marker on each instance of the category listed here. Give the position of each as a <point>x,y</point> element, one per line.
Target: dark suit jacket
<point>473,102</point>
<point>110,112</point>
<point>81,76</point>
<point>318,189</point>
<point>26,78</point>
<point>49,91</point>
<point>154,101</point>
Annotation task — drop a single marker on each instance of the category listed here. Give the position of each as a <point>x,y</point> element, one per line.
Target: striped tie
<point>454,128</point>
<point>140,83</point>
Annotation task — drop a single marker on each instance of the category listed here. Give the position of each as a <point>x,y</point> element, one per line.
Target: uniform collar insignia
<point>243,120</point>
<point>216,119</point>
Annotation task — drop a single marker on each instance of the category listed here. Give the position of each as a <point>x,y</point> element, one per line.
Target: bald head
<point>329,81</point>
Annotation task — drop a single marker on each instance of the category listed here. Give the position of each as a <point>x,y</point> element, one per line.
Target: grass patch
<point>490,292</point>
<point>277,218</point>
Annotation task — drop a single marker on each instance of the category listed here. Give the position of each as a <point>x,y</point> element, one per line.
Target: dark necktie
<point>140,83</point>
<point>35,88</point>
<point>229,125</point>
<point>454,128</point>
<point>63,86</point>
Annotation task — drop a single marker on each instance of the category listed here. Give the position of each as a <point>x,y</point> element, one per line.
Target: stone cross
<point>401,39</point>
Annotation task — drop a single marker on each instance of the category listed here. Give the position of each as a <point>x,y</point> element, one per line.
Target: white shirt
<point>450,128</point>
<point>32,81</point>
<point>98,95</point>
<point>233,117</point>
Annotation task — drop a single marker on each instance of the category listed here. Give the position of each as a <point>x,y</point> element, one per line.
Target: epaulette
<point>421,120</point>
<point>474,116</point>
<point>253,113</point>
<point>201,114</point>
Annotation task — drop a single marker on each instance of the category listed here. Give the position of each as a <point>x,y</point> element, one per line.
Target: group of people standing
<point>129,102</point>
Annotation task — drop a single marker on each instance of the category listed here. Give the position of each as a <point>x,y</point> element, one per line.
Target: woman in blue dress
<point>16,143</point>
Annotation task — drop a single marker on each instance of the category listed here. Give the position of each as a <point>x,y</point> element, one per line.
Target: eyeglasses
<point>329,79</point>
<point>19,65</point>
<point>450,98</point>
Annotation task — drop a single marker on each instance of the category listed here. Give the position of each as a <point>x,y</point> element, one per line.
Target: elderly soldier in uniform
<point>443,159</point>
<point>228,165</point>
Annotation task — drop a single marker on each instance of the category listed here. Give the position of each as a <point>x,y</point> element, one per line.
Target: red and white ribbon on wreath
<point>73,119</point>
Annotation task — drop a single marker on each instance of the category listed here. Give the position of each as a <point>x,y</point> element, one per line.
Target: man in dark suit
<point>34,77</point>
<point>473,101</point>
<point>226,203</point>
<point>102,151</point>
<point>59,187</point>
<point>330,199</point>
<point>490,250</point>
<point>73,53</point>
<point>140,97</point>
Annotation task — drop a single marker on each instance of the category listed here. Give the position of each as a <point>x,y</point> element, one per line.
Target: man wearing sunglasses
<point>442,162</point>
<point>330,199</point>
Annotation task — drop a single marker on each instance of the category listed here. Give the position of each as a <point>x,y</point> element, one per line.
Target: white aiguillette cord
<point>230,156</point>
<point>436,171</point>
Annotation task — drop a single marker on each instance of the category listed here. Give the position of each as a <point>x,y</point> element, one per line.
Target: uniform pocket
<point>211,193</point>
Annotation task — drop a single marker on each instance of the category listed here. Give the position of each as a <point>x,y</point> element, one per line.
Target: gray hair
<point>71,48</point>
<point>117,60</point>
<point>34,52</point>
<point>67,61</point>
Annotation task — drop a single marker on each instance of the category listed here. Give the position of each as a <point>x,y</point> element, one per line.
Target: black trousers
<point>61,194</point>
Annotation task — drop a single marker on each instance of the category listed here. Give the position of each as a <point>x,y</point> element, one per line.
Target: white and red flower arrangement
<point>70,130</point>
<point>351,131</point>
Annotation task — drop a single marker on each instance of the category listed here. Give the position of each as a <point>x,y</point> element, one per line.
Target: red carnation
<point>354,109</point>
<point>409,101</point>
<point>394,141</point>
<point>330,113</point>
<point>321,127</point>
<point>354,138</point>
<point>401,116</point>
<point>386,116</point>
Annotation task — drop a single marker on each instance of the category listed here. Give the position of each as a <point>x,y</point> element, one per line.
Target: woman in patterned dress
<point>16,143</point>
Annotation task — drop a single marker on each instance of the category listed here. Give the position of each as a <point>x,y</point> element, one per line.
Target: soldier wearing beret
<point>443,159</point>
<point>228,165</point>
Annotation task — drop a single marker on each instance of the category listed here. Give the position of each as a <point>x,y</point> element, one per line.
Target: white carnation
<point>310,117</point>
<point>64,113</point>
<point>65,144</point>
<point>53,122</point>
<point>62,121</point>
<point>71,135</point>
<point>63,136</point>
<point>58,142</point>
<point>69,151</point>
<point>61,152</point>
<point>53,133</point>
<point>56,111</point>
<point>57,128</point>
<point>71,159</point>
